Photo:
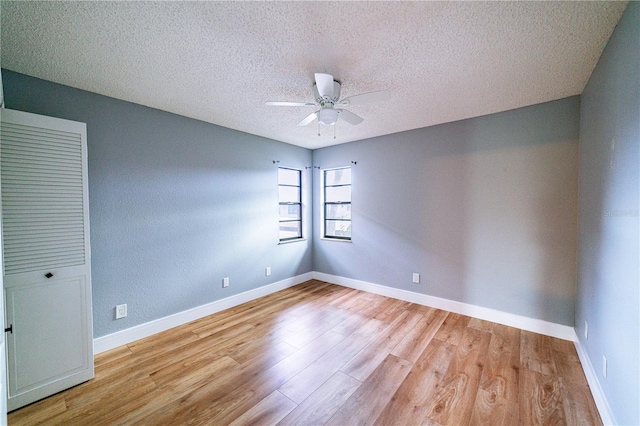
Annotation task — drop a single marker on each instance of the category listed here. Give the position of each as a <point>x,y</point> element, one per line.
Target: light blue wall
<point>609,233</point>
<point>484,209</point>
<point>175,204</point>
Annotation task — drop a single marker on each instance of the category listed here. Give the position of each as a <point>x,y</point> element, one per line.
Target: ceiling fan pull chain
<point>334,130</point>
<point>318,127</point>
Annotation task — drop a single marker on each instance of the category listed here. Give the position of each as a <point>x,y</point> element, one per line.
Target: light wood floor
<point>322,354</point>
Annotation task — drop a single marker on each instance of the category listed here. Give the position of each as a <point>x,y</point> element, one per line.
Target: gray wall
<point>175,204</point>
<point>484,209</point>
<point>609,246</point>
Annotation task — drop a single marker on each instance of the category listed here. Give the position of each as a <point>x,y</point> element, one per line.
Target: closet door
<point>47,280</point>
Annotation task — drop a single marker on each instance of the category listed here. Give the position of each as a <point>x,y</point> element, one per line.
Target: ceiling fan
<point>326,92</point>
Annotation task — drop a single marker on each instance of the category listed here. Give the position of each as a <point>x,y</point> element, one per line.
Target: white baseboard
<point>119,338</point>
<point>530,324</point>
<point>594,385</point>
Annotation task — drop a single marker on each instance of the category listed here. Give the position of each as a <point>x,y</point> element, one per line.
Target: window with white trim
<point>290,203</point>
<point>337,203</point>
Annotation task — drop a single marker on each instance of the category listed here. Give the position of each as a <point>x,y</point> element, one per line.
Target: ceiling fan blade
<point>324,84</point>
<point>366,98</point>
<point>349,117</point>
<point>308,119</point>
<point>278,103</point>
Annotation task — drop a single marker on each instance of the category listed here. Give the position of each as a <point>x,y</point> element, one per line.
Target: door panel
<point>54,341</point>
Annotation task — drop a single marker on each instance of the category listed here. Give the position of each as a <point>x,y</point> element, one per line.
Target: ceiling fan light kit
<point>328,116</point>
<point>326,92</point>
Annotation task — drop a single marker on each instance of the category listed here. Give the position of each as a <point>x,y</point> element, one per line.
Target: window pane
<point>291,211</point>
<point>337,228</point>
<point>338,211</point>
<point>288,177</point>
<point>290,230</point>
<point>289,194</point>
<point>337,193</point>
<point>337,177</point>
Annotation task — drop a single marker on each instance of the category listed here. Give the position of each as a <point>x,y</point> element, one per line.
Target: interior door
<point>3,347</point>
<point>46,255</point>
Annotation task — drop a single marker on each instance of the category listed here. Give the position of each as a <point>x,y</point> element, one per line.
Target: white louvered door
<point>47,280</point>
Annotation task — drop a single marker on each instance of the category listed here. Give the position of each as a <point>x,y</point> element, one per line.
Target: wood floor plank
<point>452,328</point>
<point>152,345</point>
<point>370,399</point>
<point>40,412</point>
<point>93,390</point>
<point>185,375</point>
<point>416,340</point>
<point>345,298</point>
<point>410,404</point>
<point>232,394</point>
<point>500,374</point>
<point>109,406</point>
<point>318,408</point>
<point>252,310</point>
<point>351,324</point>
<point>309,327</point>
<point>217,342</point>
<point>481,325</point>
<point>567,363</point>
<point>540,399</point>
<point>579,407</point>
<point>274,320</point>
<point>278,359</point>
<point>233,404</point>
<point>536,353</point>
<point>456,393</point>
<point>375,306</point>
<point>372,355</point>
<point>395,308</point>
<point>269,352</point>
<point>357,304</point>
<point>311,378</point>
<point>491,409</point>
<point>111,356</point>
<point>267,412</point>
<point>177,404</point>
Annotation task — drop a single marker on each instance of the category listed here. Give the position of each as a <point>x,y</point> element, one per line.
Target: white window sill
<point>340,240</point>
<point>292,241</point>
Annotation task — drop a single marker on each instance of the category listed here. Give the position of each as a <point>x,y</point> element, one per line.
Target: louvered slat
<point>42,199</point>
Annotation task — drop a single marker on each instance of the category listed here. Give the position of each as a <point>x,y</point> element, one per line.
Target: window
<point>337,203</point>
<point>290,203</point>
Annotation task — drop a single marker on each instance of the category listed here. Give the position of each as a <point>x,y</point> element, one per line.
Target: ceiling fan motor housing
<point>326,101</point>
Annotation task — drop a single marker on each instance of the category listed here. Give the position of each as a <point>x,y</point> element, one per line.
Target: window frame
<point>290,203</point>
<point>326,203</point>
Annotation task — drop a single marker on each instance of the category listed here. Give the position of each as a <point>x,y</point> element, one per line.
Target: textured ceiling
<point>221,61</point>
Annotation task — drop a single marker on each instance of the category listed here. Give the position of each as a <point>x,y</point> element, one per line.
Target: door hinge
<point>9,329</point>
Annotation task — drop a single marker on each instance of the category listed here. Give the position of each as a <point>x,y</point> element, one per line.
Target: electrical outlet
<point>225,282</point>
<point>416,278</point>
<point>121,311</point>
<point>267,271</point>
<point>586,330</point>
<point>604,366</point>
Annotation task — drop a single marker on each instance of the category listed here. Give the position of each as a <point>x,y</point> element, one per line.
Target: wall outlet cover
<point>225,282</point>
<point>586,330</point>
<point>416,278</point>
<point>121,311</point>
